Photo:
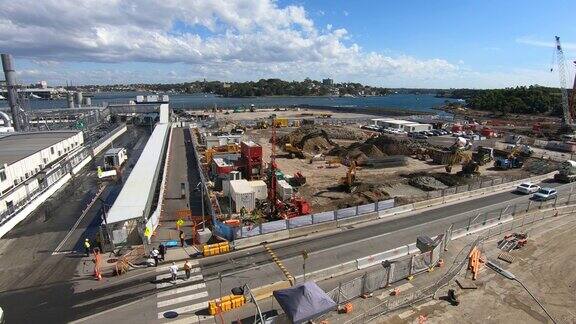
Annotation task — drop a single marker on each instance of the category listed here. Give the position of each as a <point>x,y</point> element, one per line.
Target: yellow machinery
<point>261,125</point>
<point>293,151</point>
<point>469,166</point>
<point>229,148</point>
<point>280,122</point>
<point>333,162</point>
<point>349,181</point>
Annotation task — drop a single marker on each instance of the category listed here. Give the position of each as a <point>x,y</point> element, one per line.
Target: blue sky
<point>481,44</point>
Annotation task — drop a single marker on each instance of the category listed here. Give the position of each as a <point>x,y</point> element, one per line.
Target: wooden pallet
<point>505,256</point>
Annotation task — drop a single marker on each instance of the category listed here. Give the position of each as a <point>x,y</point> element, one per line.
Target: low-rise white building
<point>399,124</point>
<point>27,159</point>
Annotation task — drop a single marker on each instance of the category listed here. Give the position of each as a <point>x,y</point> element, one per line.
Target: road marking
<point>181,290</point>
<point>179,264</point>
<point>182,299</point>
<point>178,282</point>
<point>84,213</point>
<point>180,273</point>
<point>185,309</point>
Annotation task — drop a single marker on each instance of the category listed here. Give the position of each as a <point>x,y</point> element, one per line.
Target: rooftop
<point>17,146</point>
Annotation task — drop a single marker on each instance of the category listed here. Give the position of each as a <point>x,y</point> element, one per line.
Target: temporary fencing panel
<point>350,290</point>
<point>385,204</point>
<point>300,221</point>
<point>365,209</point>
<point>250,230</point>
<point>346,212</point>
<point>324,217</point>
<point>224,230</point>
<point>273,226</point>
<point>450,191</point>
<point>420,262</point>
<point>375,280</point>
<point>401,269</point>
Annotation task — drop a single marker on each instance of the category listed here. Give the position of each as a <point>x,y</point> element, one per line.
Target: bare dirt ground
<point>545,265</point>
<point>292,114</point>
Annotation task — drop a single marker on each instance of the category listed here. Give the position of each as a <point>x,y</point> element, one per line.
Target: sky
<point>414,44</point>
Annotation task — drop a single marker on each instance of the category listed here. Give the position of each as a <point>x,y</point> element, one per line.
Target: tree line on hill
<point>519,100</point>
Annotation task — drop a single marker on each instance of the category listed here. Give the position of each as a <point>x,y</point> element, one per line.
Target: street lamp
<point>509,275</point>
<point>202,201</point>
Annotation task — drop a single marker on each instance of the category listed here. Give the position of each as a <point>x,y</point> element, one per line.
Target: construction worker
<point>187,269</point>
<point>87,246</point>
<point>182,238</point>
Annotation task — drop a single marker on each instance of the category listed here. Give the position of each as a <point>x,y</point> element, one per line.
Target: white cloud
<point>346,13</point>
<point>231,39</point>
<point>529,40</point>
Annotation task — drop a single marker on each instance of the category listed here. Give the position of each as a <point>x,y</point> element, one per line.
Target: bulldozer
<point>293,151</point>
<point>349,182</point>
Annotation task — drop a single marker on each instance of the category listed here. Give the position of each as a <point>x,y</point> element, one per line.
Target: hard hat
<point>86,239</point>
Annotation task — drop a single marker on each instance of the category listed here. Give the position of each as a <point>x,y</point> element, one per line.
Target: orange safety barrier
<point>474,262</point>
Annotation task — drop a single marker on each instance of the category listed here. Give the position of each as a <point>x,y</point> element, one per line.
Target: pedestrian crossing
<point>184,298</point>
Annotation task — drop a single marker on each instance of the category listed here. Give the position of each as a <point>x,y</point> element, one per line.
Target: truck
<point>566,172</point>
<point>508,163</point>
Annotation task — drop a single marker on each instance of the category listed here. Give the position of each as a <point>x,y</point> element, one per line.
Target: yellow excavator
<point>349,181</point>
<point>293,151</point>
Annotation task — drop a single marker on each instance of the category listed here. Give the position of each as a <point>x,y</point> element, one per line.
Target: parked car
<point>417,136</point>
<point>545,194</point>
<point>527,188</point>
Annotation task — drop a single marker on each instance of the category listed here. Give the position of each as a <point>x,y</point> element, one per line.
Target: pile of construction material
<point>318,138</point>
<point>426,183</point>
<point>378,147</point>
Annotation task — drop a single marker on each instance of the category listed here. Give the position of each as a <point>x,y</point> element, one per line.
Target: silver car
<point>545,194</point>
<point>527,188</point>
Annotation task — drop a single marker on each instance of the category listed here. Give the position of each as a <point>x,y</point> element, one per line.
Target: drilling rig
<point>568,126</point>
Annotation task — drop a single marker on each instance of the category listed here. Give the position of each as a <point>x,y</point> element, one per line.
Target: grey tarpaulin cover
<point>304,302</point>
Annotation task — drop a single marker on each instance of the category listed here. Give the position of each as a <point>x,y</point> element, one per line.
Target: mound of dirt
<point>538,166</point>
<point>426,183</point>
<point>318,138</point>
<point>379,147</point>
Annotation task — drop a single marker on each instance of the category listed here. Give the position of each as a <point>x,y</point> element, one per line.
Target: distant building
<point>403,125</point>
<point>328,82</point>
<point>42,85</point>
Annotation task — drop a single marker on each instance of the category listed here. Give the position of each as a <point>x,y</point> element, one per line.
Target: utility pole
<point>304,257</point>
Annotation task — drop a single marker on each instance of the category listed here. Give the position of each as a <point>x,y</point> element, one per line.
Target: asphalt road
<point>256,268</point>
<point>35,285</point>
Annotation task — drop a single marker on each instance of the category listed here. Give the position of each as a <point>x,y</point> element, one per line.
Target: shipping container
<point>284,189</point>
<point>251,150</point>
<point>260,189</point>
<point>242,195</point>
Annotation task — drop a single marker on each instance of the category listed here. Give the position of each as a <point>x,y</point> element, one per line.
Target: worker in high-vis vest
<point>87,246</point>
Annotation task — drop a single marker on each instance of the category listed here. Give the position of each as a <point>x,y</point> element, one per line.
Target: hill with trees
<point>519,100</point>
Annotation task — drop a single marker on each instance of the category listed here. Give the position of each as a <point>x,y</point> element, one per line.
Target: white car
<point>545,194</point>
<point>527,188</point>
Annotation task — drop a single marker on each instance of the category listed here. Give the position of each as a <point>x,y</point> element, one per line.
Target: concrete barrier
<point>392,254</point>
<point>259,239</point>
<point>395,210</point>
<point>358,219</point>
<point>331,272</point>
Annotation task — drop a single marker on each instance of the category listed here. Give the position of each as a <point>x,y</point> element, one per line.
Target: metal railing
<point>53,176</point>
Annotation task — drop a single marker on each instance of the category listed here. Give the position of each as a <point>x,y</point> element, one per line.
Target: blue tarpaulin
<point>304,302</point>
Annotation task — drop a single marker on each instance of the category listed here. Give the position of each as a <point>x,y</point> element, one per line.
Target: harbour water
<point>411,102</point>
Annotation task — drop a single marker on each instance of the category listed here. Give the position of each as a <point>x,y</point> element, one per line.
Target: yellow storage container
<point>223,244</point>
<point>214,251</point>
<point>226,306</point>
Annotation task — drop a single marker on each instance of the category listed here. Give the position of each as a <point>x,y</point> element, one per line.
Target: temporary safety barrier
<point>226,303</point>
<point>215,249</point>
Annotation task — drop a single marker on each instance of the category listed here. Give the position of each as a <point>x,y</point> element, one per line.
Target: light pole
<point>511,276</point>
<point>304,257</point>
<point>202,202</point>
<point>241,291</point>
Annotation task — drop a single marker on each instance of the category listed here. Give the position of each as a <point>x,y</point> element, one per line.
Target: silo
<point>79,99</point>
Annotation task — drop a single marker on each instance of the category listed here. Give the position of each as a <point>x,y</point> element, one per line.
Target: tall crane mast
<point>566,103</point>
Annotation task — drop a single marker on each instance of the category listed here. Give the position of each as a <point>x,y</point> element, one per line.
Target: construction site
<point>326,163</point>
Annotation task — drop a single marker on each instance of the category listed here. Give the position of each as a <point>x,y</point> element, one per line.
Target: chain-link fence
<point>491,223</point>
<point>475,184</point>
